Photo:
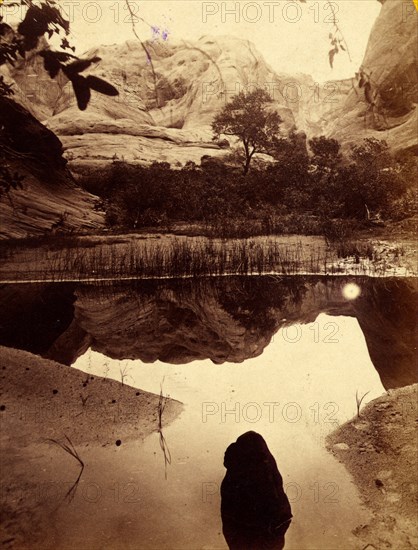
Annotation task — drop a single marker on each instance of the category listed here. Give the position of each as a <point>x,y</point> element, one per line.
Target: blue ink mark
<point>157,32</point>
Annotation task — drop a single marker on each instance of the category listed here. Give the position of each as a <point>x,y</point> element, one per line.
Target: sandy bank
<point>380,451</point>
<point>42,400</point>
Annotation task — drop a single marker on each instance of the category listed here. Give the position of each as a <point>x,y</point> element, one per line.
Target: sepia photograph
<point>208,274</point>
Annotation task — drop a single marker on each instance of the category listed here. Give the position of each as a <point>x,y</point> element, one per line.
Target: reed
<point>69,448</point>
<point>195,257</point>
<point>162,402</point>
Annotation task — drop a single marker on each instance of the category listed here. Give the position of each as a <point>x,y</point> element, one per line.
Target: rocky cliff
<point>383,103</point>
<point>165,107</point>
<point>164,110</point>
<point>48,198</point>
<point>167,102</point>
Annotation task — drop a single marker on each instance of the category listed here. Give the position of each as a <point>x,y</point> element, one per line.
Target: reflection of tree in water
<point>216,318</point>
<point>254,301</point>
<point>221,319</point>
<point>206,317</point>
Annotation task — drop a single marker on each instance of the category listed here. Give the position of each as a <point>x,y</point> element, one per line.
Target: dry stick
<point>149,56</point>
<point>337,28</point>
<point>70,449</point>
<point>154,76</point>
<point>162,402</point>
<point>84,399</point>
<point>124,373</point>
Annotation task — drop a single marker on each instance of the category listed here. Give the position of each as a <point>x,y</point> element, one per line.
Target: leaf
<point>331,55</point>
<point>100,85</point>
<point>52,66</point>
<point>81,90</point>
<point>342,47</point>
<point>33,27</point>
<point>5,29</point>
<point>61,56</point>
<point>79,66</point>
<point>65,44</point>
<point>53,61</point>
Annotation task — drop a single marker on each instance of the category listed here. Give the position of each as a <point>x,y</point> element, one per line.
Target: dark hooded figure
<point>255,509</point>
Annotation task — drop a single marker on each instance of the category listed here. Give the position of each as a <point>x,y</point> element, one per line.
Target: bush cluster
<point>301,191</point>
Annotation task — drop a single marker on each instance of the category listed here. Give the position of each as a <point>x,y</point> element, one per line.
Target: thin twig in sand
<point>162,402</point>
<point>69,448</point>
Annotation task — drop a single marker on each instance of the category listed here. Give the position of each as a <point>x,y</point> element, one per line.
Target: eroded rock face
<point>233,320</point>
<point>390,65</point>
<point>227,320</point>
<point>166,115</point>
<point>255,509</point>
<point>49,197</point>
<point>224,320</point>
<point>179,323</point>
<point>162,116</point>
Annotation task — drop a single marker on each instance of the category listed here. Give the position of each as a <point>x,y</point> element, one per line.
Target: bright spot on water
<point>351,291</point>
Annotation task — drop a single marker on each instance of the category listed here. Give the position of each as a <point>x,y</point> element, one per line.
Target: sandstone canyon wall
<point>387,108</point>
<point>48,197</point>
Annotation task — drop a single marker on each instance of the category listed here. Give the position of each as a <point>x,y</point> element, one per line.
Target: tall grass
<point>359,401</point>
<point>178,258</point>
<point>190,257</point>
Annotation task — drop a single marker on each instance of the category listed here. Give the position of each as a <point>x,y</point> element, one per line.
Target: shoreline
<point>166,255</point>
<point>379,451</point>
<point>42,401</point>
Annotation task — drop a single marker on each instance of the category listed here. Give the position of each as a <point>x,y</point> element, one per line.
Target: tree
<point>373,179</point>
<point>326,166</point>
<point>326,153</point>
<point>288,178</point>
<point>249,117</point>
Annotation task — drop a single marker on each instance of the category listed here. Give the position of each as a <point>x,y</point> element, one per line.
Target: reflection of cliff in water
<point>225,319</point>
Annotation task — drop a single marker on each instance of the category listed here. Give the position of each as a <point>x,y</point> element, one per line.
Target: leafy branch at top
<point>338,42</point>
<point>41,20</point>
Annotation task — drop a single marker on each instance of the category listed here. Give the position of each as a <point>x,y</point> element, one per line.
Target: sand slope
<point>382,457</point>
<point>42,400</point>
